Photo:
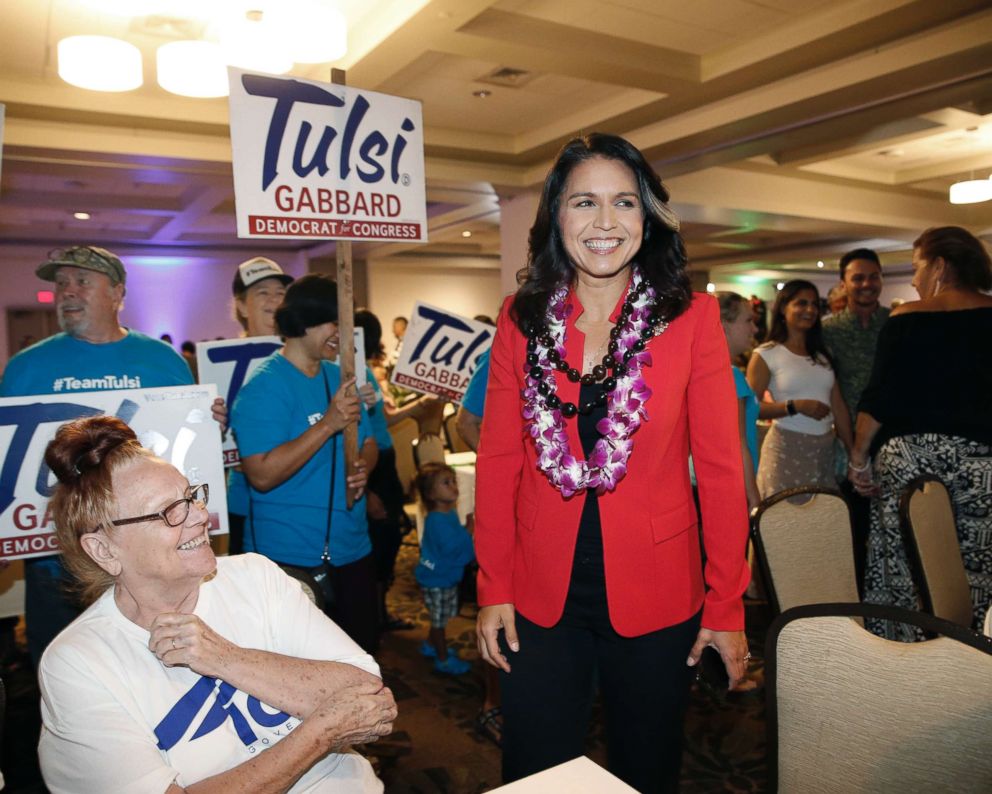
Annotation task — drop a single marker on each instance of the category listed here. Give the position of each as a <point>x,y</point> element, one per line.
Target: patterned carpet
<point>435,748</point>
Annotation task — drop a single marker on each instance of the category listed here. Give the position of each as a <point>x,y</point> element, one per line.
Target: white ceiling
<point>787,130</point>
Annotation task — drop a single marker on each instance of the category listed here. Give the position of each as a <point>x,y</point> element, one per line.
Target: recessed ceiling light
<point>780,285</point>
<point>820,263</point>
<point>466,233</point>
<point>482,93</point>
<point>81,216</point>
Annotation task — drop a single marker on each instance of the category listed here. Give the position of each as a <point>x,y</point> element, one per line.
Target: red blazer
<point>526,531</point>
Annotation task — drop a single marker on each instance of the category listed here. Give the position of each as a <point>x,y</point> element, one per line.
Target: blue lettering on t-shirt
<point>180,718</point>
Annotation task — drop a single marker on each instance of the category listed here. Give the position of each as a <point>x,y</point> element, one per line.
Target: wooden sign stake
<point>346,328</point>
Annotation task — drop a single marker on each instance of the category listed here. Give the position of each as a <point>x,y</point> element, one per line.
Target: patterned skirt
<point>966,469</point>
<point>790,460</point>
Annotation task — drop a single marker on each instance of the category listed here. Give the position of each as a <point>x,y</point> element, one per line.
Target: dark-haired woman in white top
<point>806,403</point>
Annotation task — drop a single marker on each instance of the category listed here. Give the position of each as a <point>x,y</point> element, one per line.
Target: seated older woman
<point>188,673</point>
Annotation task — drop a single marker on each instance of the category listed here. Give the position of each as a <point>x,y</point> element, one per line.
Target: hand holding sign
<point>343,408</point>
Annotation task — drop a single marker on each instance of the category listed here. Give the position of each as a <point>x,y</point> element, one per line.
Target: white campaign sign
<point>439,353</point>
<point>321,161</point>
<point>173,421</point>
<point>228,364</point>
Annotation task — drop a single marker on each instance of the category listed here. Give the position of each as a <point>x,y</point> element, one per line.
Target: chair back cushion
<point>428,448</point>
<point>807,550</point>
<point>858,713</point>
<point>932,538</point>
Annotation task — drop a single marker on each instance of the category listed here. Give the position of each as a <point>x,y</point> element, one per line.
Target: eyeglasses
<point>176,513</point>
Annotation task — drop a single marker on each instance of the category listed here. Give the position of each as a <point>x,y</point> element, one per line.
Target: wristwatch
<point>790,407</point>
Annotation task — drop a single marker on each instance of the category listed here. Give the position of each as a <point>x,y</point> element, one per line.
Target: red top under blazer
<point>526,531</point>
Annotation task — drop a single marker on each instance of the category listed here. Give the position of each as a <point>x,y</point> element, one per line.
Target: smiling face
<point>87,303</point>
<point>321,342</point>
<point>601,218</point>
<point>258,306</point>
<point>863,282</point>
<point>801,312</point>
<point>151,554</point>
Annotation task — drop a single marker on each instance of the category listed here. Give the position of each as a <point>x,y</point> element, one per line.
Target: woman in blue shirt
<point>288,420</point>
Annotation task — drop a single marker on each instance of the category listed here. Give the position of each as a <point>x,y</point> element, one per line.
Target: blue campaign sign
<point>227,364</point>
<point>440,350</point>
<point>321,161</point>
<point>174,422</point>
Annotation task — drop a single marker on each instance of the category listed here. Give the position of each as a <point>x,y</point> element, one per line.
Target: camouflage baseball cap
<point>88,257</point>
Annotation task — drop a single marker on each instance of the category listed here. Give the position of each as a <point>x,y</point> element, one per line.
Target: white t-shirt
<point>115,719</point>
<point>798,378</point>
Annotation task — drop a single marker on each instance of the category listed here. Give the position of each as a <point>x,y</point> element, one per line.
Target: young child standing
<point>445,550</point>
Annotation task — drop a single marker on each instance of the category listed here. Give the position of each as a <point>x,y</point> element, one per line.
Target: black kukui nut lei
<point>601,371</point>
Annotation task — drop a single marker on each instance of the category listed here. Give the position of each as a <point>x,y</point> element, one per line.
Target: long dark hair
<point>661,258</point>
<point>778,332</point>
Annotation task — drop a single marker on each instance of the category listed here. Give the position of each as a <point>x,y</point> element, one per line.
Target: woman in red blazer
<point>605,373</point>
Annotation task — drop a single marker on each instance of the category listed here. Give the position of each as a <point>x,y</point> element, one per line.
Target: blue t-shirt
<point>289,523</point>
<point>63,364</point>
<point>474,400</point>
<point>445,550</point>
<point>377,415</point>
<point>750,414</point>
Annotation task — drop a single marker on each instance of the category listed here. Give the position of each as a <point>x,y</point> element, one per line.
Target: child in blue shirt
<point>445,550</point>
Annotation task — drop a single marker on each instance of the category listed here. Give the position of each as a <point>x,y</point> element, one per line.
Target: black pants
<point>644,682</point>
<point>236,534</point>
<point>860,526</point>
<point>355,605</point>
<point>386,534</point>
<point>48,605</point>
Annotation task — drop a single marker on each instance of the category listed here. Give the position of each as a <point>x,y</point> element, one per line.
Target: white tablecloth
<point>580,776</point>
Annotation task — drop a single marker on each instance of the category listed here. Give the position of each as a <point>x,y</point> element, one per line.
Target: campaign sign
<point>320,161</point>
<point>439,353</point>
<point>227,364</point>
<point>173,421</point>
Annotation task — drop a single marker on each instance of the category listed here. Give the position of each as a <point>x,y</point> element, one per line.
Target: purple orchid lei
<point>625,404</point>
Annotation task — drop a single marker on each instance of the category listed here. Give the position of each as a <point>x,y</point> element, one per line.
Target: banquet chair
<point>427,448</point>
<point>404,433</point>
<point>849,712</point>
<point>934,551</point>
<point>804,551</point>
<point>452,436</point>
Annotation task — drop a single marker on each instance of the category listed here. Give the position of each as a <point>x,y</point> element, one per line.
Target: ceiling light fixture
<point>971,191</point>
<point>819,263</point>
<point>81,216</point>
<point>710,286</point>
<point>192,68</point>
<point>466,233</point>
<point>99,63</point>
<point>482,93</point>
<point>780,285</point>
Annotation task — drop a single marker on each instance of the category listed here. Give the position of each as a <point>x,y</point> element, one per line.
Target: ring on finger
<point>747,657</point>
